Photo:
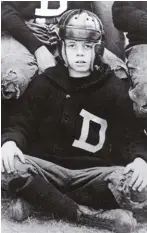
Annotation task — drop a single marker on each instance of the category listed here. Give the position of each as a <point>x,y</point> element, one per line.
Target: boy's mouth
<point>81,62</point>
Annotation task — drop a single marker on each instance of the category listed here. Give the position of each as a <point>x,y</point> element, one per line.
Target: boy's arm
<point>128,137</point>
<point>128,141</point>
<point>135,154</point>
<point>14,23</point>
<point>128,130</point>
<point>137,148</point>
<point>128,18</point>
<point>23,123</point>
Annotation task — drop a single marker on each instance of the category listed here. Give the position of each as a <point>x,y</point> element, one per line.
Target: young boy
<point>29,38</point>
<point>30,35</point>
<point>77,124</point>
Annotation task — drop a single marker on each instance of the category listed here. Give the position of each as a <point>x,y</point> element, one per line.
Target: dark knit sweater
<point>14,14</point>
<point>77,123</point>
<point>131,17</point>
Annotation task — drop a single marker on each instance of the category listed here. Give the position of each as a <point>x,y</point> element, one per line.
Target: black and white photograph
<point>73,116</point>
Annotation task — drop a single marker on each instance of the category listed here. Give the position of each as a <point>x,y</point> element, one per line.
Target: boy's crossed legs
<point>66,193</point>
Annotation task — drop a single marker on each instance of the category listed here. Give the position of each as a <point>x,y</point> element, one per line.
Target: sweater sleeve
<point>22,125</point>
<point>137,147</point>
<point>134,139</point>
<point>14,23</point>
<point>128,18</point>
<point>129,140</point>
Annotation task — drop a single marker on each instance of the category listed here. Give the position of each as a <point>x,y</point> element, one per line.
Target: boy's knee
<point>135,196</point>
<point>123,193</point>
<point>22,170</point>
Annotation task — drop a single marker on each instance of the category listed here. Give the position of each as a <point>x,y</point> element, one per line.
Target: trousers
<point>97,187</point>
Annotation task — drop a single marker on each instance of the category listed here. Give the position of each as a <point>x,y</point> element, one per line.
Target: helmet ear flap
<point>93,58</point>
<point>98,53</point>
<point>62,52</point>
<point>99,49</point>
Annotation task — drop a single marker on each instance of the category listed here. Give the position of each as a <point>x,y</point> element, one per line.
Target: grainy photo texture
<point>74,116</point>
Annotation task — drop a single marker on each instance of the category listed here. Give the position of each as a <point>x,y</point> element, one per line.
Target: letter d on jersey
<point>45,12</point>
<point>81,143</point>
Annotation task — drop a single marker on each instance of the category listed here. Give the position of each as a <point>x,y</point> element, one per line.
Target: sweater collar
<point>59,76</point>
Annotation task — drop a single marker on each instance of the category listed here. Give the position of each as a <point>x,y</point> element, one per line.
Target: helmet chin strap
<point>92,58</point>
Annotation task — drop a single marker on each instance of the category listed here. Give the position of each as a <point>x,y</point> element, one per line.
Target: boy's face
<point>79,55</point>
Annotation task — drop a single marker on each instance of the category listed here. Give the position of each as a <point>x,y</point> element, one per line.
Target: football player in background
<point>131,17</point>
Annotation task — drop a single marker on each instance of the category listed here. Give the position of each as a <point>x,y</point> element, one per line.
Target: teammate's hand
<point>139,177</point>
<point>8,151</point>
<point>44,59</point>
<point>53,32</point>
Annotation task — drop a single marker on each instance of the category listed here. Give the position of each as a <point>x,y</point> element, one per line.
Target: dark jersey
<point>77,123</point>
<point>15,13</point>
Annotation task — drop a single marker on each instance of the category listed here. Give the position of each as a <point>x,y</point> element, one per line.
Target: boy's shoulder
<point>51,73</point>
<point>39,86</point>
<point>57,75</point>
<point>114,89</point>
<point>111,82</point>
<point>119,85</point>
<point>57,70</point>
<point>115,82</point>
<point>118,90</point>
<point>115,94</point>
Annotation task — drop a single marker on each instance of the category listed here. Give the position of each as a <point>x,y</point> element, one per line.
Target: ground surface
<point>38,225</point>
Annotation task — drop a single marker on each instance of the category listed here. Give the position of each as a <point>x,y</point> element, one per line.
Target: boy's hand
<point>139,177</point>
<point>44,59</point>
<point>8,151</point>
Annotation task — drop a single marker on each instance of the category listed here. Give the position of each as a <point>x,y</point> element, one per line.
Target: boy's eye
<point>88,46</point>
<point>71,45</point>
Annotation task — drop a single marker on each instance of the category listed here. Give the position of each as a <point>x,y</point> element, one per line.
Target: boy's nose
<point>80,51</point>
